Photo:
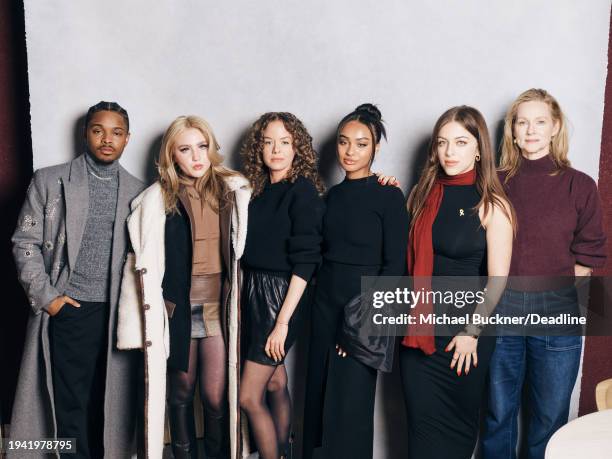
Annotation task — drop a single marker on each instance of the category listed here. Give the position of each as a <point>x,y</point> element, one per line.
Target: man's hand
<point>57,304</point>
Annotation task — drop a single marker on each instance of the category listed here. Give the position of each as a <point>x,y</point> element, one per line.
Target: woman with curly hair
<point>282,252</point>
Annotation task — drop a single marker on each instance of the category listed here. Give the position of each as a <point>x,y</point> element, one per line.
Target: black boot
<point>182,431</point>
<point>287,449</point>
<point>216,444</point>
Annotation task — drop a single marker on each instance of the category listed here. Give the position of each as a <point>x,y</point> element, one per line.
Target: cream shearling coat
<point>143,320</point>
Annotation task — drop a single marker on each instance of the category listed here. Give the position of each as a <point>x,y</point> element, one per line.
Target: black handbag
<point>371,345</point>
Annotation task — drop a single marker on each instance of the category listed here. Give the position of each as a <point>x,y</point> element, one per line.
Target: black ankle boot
<point>287,450</point>
<point>216,444</point>
<point>182,431</point>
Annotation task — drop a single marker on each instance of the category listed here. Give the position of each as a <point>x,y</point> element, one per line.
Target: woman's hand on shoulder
<point>387,179</point>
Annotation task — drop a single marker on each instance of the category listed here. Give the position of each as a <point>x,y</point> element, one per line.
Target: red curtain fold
<point>597,361</point>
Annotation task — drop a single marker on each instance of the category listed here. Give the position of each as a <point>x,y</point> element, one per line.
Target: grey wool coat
<point>45,246</point>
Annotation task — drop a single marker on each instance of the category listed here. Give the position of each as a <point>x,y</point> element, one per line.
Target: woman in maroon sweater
<point>559,236</point>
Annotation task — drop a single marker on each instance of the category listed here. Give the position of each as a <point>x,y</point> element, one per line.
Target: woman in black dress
<point>461,226</point>
<point>364,234</point>
<point>282,252</point>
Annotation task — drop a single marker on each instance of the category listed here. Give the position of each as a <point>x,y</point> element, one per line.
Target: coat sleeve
<point>130,326</point>
<point>27,247</point>
<point>130,329</point>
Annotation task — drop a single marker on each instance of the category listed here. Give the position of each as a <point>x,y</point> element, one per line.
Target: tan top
<point>205,233</point>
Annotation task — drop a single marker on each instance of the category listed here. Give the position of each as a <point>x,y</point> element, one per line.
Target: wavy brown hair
<point>211,186</point>
<point>511,156</point>
<point>305,160</point>
<point>488,184</point>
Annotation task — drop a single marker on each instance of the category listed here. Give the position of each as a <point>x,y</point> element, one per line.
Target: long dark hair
<point>487,182</point>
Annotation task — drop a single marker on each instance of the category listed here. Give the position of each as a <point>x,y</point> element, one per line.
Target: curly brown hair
<point>304,162</point>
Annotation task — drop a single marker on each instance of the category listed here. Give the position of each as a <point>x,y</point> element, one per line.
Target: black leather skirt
<point>263,295</point>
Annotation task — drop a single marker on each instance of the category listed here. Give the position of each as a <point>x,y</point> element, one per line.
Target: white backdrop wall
<point>231,61</point>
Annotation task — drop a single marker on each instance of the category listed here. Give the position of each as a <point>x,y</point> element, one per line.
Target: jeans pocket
<point>563,343</point>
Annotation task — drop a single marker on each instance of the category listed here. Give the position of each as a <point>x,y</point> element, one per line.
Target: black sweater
<point>366,224</point>
<point>284,230</point>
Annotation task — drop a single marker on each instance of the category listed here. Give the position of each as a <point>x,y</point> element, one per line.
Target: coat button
<point>146,307</point>
<point>143,270</point>
<point>148,343</point>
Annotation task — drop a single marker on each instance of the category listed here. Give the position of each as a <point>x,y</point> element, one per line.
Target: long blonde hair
<point>511,157</point>
<point>487,182</point>
<point>211,186</point>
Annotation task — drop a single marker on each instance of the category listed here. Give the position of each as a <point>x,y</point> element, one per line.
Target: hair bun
<point>370,109</point>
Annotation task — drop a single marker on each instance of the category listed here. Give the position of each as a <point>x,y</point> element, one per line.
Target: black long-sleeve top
<point>284,229</point>
<point>366,223</point>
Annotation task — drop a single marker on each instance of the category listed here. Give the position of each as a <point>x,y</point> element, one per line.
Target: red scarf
<point>421,257</point>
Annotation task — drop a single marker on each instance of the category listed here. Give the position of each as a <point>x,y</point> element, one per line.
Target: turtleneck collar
<point>276,185</point>
<point>101,170</point>
<point>359,181</point>
<point>544,165</point>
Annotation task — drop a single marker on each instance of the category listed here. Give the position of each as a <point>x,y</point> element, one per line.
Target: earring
<point>477,157</point>
<point>514,141</point>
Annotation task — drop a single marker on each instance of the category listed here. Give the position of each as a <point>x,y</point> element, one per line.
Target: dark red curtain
<point>15,173</point>
<point>597,363</point>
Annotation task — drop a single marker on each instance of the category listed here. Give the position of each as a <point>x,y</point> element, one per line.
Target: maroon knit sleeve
<point>589,244</point>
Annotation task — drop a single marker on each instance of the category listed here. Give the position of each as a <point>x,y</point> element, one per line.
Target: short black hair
<point>110,107</point>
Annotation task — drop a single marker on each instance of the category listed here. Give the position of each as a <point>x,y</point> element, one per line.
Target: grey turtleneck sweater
<point>90,277</point>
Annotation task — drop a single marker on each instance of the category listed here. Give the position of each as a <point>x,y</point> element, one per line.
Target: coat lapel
<point>125,193</point>
<point>225,217</point>
<point>76,194</point>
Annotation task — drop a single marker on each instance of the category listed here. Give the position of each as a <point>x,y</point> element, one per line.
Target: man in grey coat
<point>70,246</point>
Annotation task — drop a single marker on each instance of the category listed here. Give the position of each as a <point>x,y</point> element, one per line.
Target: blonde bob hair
<point>211,186</point>
<point>511,157</point>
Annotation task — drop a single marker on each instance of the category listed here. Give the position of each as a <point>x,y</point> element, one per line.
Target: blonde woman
<point>188,231</point>
<point>559,235</point>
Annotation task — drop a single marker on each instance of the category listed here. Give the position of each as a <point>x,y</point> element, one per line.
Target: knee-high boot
<point>182,431</point>
<point>216,444</point>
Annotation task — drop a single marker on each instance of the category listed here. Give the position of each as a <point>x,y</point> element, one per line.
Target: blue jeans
<point>549,366</point>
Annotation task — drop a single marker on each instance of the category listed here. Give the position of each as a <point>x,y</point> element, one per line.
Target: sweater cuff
<point>304,270</point>
<point>591,261</point>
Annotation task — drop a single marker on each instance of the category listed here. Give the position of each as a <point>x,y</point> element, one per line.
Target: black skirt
<point>442,408</point>
<point>263,294</point>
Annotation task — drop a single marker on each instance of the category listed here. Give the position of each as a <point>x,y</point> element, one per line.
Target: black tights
<point>270,422</point>
<point>208,360</point>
